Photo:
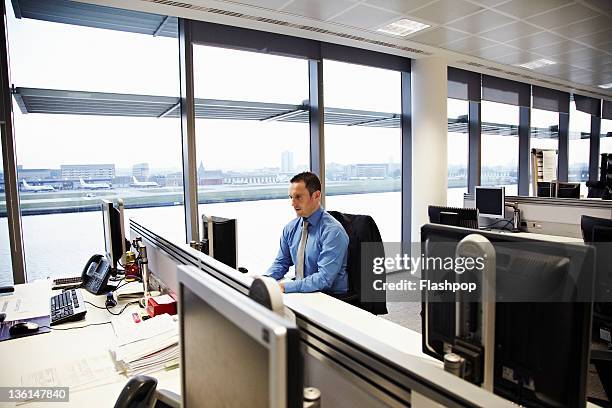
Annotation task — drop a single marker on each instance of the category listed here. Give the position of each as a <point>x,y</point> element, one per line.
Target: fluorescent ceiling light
<point>403,27</point>
<point>605,86</point>
<point>539,63</point>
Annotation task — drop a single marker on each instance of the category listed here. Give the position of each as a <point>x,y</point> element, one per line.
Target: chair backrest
<point>361,229</point>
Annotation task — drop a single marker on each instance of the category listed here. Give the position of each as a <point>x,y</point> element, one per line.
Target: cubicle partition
<point>353,357</point>
<point>552,216</point>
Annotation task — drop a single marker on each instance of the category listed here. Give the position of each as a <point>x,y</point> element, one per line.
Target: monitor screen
<point>234,352</point>
<point>222,359</point>
<point>490,201</point>
<point>536,280</point>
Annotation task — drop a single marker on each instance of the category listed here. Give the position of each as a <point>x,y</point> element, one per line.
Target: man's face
<point>302,201</point>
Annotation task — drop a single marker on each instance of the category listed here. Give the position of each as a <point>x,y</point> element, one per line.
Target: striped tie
<point>299,267</point>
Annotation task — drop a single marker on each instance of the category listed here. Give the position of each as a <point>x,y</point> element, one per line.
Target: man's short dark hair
<point>311,181</point>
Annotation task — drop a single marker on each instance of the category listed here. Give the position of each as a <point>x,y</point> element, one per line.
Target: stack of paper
<point>146,346</point>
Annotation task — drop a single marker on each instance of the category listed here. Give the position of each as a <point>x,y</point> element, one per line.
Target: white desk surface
<point>34,353</point>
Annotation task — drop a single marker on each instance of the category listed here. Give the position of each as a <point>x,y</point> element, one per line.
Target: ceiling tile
<point>366,17</point>
<point>560,48</point>
<point>468,44</point>
<point>586,27</point>
<point>510,32</point>
<point>443,11</point>
<point>602,5</point>
<point>536,40</point>
<point>496,51</point>
<point>605,47</point>
<point>489,3</point>
<point>517,58</point>
<point>269,4</point>
<point>437,36</point>
<point>563,16</point>
<point>482,21</point>
<point>399,6</point>
<point>555,70</point>
<point>606,68</point>
<point>585,53</point>
<point>581,75</point>
<point>528,8</point>
<point>317,9</point>
<point>596,39</point>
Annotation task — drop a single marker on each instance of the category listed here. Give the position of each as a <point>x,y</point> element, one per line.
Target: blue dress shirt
<point>324,256</point>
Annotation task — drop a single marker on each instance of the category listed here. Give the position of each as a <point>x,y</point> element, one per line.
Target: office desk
<point>34,353</point>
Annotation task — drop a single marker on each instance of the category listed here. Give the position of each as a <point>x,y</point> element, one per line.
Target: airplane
<point>137,183</point>
<point>27,187</point>
<point>93,186</point>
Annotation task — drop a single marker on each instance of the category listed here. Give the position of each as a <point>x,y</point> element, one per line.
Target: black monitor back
<point>568,190</point>
<point>458,217</point>
<point>545,341</point>
<point>598,232</point>
<point>224,240</point>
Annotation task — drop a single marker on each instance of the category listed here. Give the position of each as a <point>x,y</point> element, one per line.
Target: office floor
<point>408,314</point>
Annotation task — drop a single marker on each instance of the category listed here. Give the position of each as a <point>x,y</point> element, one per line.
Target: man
<point>314,242</point>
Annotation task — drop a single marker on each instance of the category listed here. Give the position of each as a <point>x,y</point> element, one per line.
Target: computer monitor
<point>114,232</point>
<point>222,233</point>
<point>459,217</point>
<point>541,351</point>
<point>491,201</point>
<point>234,351</point>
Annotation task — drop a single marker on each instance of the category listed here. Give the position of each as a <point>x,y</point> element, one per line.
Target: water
<point>60,244</point>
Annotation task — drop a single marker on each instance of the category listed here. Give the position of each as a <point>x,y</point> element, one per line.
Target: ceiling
<point>485,34</point>
<point>577,35</point>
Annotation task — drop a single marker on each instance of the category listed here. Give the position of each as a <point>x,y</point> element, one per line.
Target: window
<point>499,146</point>
<point>544,134</point>
<point>579,147</point>
<point>62,224</point>
<point>605,141</point>
<point>458,145</point>
<point>363,143</point>
<point>253,138</point>
<point>6,274</point>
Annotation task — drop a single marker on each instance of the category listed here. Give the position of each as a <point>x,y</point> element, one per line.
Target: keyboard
<point>67,306</point>
<point>60,283</point>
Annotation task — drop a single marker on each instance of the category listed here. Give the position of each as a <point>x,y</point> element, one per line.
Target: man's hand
<point>282,286</point>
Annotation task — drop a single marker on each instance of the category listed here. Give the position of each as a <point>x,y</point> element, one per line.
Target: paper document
<point>128,331</point>
<point>79,374</point>
<point>27,301</point>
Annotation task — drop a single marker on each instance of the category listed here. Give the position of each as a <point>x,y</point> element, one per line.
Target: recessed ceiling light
<point>403,27</point>
<point>605,86</point>
<point>537,63</point>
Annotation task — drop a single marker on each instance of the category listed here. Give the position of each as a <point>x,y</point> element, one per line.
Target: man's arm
<point>283,261</point>
<point>333,252</point>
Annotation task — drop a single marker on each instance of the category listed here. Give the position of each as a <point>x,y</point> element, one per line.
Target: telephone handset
<point>95,274</point>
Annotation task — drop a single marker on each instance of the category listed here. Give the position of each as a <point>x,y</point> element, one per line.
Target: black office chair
<point>360,229</point>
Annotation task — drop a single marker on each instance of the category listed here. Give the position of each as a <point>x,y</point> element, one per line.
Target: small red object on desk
<point>161,304</point>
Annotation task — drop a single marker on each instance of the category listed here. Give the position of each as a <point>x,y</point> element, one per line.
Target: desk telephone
<point>95,274</point>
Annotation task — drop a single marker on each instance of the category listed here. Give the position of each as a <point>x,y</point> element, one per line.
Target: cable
<point>122,310</point>
<point>110,311</point>
<point>79,327</point>
<point>503,227</point>
<point>96,306</point>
